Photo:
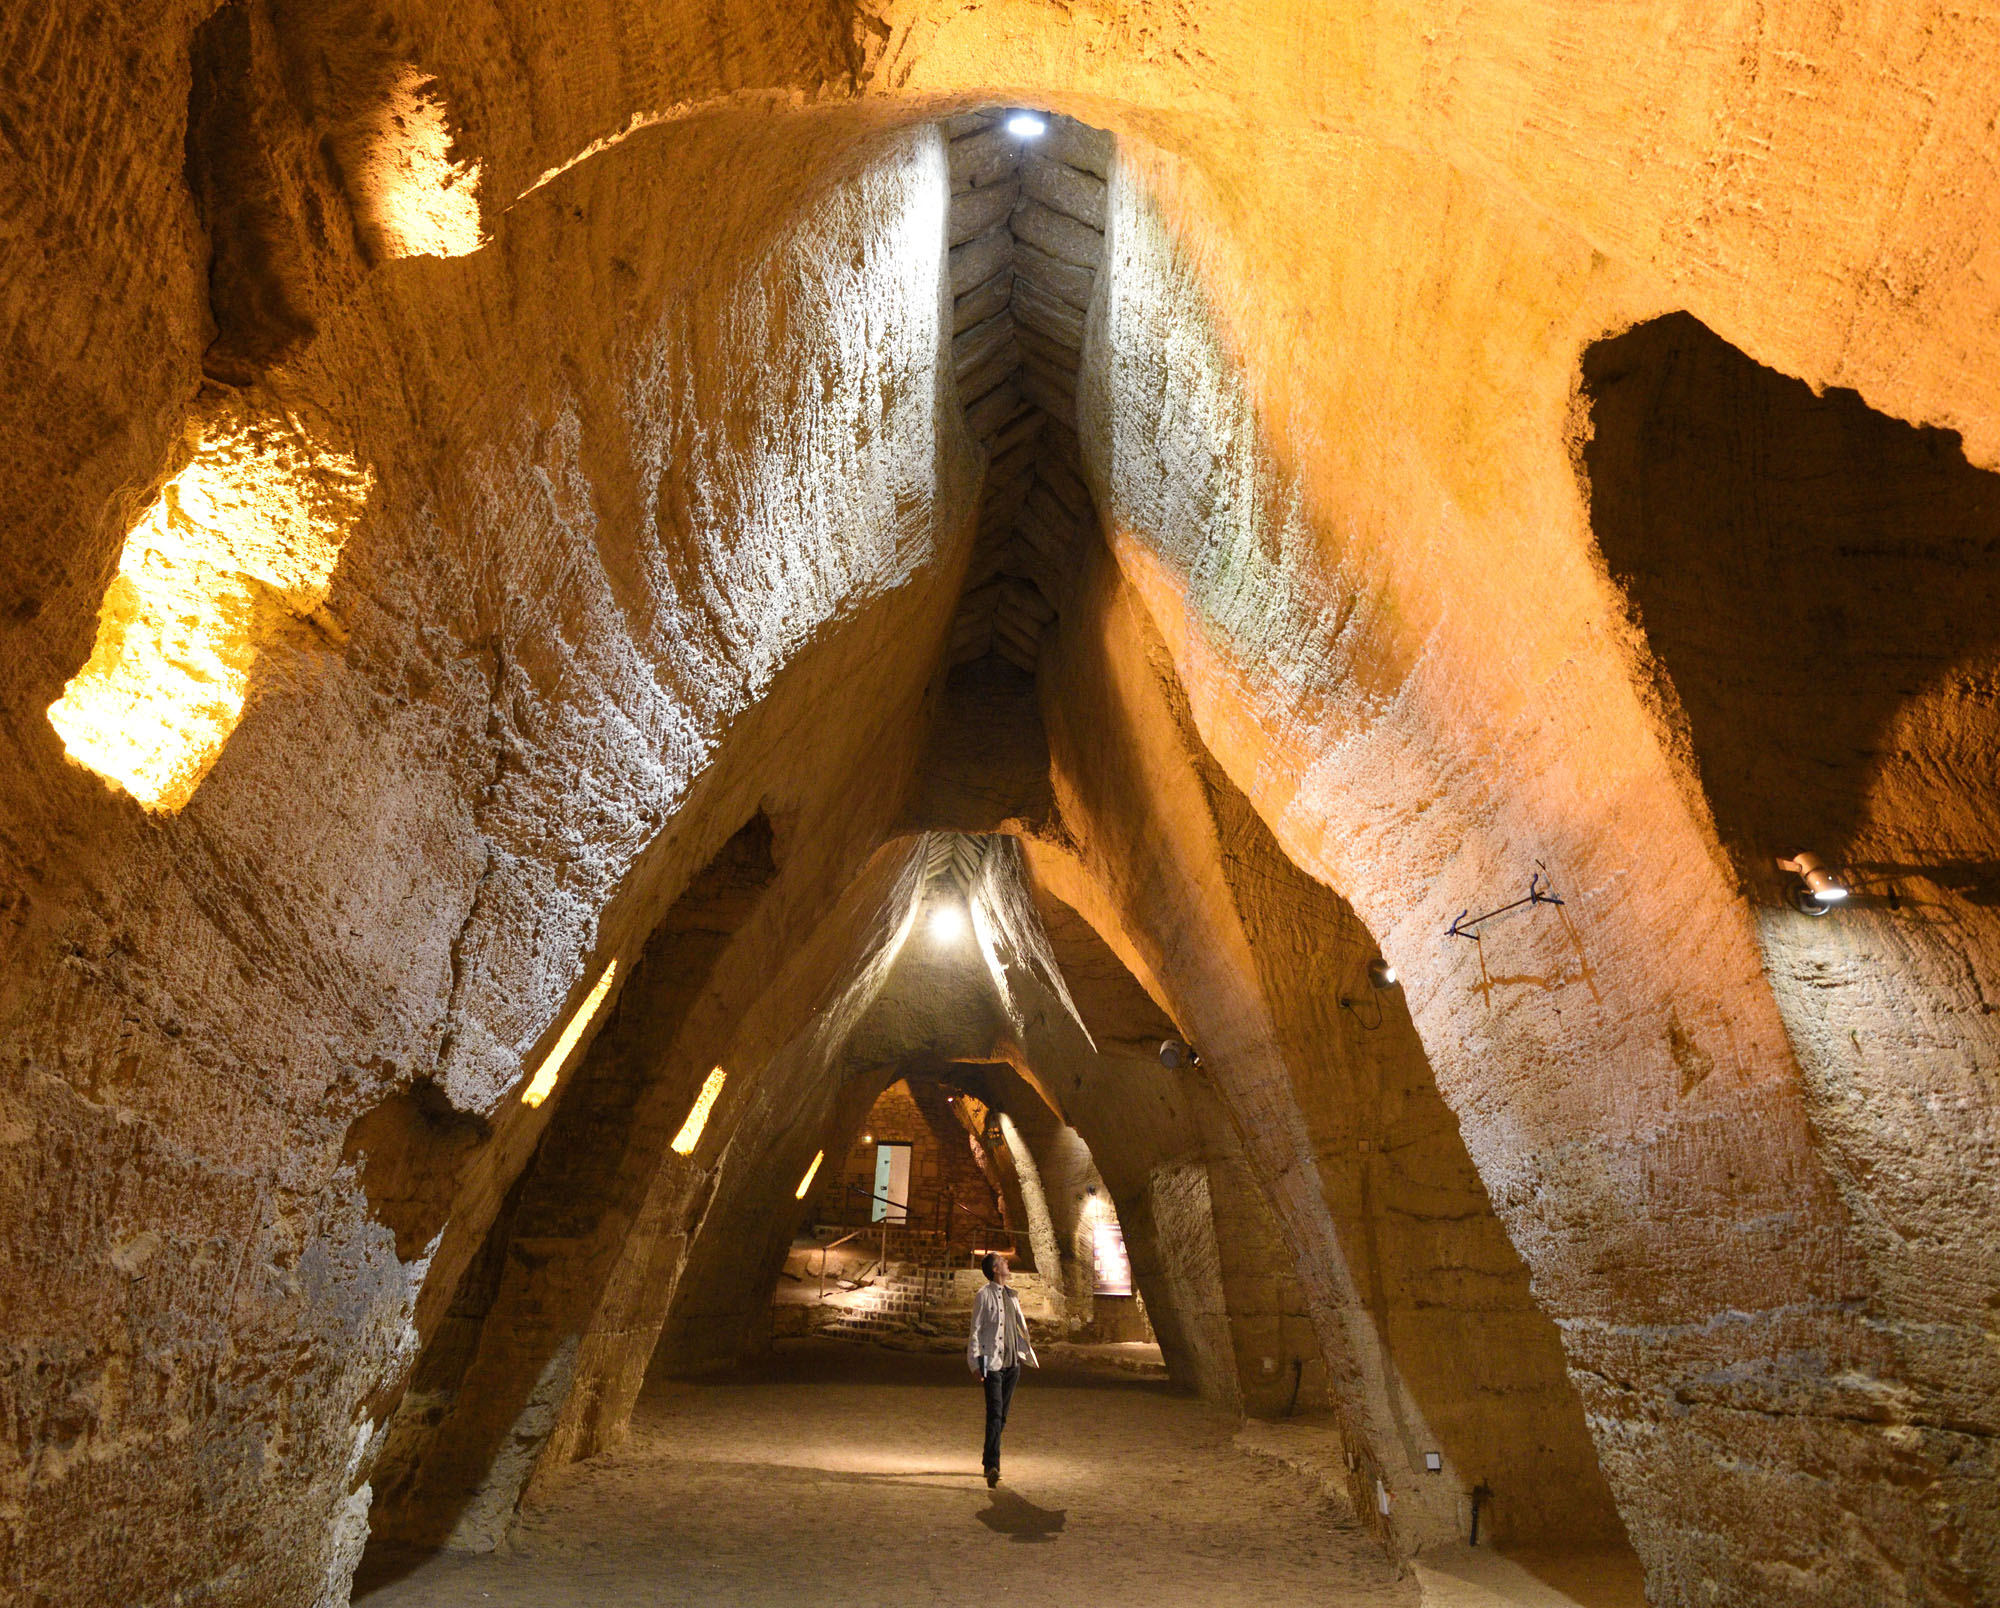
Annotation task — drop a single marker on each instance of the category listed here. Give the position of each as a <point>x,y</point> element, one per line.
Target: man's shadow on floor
<point>1020,1520</point>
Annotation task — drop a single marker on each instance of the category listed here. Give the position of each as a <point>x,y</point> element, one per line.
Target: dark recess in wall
<point>1802,566</point>
<point>230,170</point>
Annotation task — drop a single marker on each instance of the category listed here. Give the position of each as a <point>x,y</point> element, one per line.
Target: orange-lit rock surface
<point>1451,490</point>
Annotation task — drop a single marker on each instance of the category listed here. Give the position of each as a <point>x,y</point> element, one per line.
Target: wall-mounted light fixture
<point>1026,126</point>
<point>1175,1055</point>
<point>806,1182</point>
<point>947,923</point>
<point>1819,889</point>
<point>1381,976</point>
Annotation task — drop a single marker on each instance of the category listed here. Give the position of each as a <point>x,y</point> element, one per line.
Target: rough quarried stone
<point>383,938</point>
<point>989,157</point>
<point>1064,189</point>
<point>638,345</point>
<point>1064,281</point>
<point>981,302</point>
<point>1061,237</point>
<point>979,260</point>
<point>1078,145</point>
<point>998,407</point>
<point>974,212</point>
<point>1048,315</point>
<point>979,343</point>
<point>1058,358</point>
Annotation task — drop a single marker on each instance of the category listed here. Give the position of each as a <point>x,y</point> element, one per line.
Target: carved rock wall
<point>633,324</point>
<point>426,837</point>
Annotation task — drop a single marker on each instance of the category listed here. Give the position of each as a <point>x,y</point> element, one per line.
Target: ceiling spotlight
<point>947,923</point>
<point>1174,1054</point>
<point>1819,888</point>
<point>1381,974</point>
<point>1026,126</point>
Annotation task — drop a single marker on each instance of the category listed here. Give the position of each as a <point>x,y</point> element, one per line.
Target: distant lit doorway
<point>892,1183</point>
<point>1114,1266</point>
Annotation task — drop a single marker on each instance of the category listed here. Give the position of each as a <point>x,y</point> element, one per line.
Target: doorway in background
<point>892,1184</point>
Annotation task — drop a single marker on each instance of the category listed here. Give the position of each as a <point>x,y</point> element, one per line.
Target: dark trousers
<point>1000,1384</point>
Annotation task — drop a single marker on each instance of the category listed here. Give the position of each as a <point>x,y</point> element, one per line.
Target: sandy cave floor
<point>839,1474</point>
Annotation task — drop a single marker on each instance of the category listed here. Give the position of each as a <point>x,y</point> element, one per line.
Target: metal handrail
<point>849,1191</point>
<point>833,1245</point>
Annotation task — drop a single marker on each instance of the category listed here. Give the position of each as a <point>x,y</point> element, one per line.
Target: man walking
<point>998,1347</point>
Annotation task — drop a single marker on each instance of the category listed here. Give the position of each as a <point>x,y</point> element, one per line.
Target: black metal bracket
<point>1482,1494</point>
<point>1538,894</point>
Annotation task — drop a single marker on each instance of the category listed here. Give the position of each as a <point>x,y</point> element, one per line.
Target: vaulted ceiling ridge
<point>1027,241</point>
<point>953,859</point>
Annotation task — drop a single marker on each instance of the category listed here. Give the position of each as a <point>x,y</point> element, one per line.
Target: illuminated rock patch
<point>244,537</point>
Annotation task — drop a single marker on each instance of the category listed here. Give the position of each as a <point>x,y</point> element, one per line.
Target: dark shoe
<point>992,1478</point>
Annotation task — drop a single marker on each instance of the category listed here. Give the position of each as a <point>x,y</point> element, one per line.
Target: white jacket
<point>995,1304</point>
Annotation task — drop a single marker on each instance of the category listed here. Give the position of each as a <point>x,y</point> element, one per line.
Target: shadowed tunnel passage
<point>1011,1034</point>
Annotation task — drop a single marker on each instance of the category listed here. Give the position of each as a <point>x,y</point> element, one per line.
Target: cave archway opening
<point>953,1161</point>
<point>1303,1225</point>
<point>597,485</point>
<point>1013,1025</point>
